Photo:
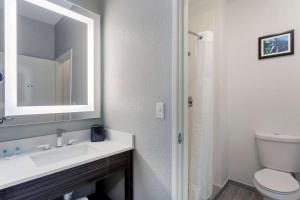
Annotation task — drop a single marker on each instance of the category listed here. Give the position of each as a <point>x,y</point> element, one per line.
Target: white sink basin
<point>62,154</point>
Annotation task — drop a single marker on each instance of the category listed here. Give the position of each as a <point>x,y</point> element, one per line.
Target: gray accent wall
<point>137,74</point>
<point>38,43</point>
<point>70,34</point>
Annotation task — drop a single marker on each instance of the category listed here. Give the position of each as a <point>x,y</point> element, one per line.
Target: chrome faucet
<point>59,133</point>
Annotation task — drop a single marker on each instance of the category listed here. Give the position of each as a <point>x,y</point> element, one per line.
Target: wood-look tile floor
<point>235,191</point>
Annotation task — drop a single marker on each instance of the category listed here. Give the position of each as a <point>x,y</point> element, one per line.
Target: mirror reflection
<point>52,57</point>
<point>51,61</point>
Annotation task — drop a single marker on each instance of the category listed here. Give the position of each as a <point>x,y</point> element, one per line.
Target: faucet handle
<point>44,147</point>
<point>72,141</point>
<point>60,131</point>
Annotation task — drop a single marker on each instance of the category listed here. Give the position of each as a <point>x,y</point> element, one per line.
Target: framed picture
<point>275,45</point>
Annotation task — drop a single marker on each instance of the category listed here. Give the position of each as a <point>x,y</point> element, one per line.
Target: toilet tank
<point>279,151</point>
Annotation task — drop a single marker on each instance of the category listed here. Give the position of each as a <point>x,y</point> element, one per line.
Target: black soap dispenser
<point>97,133</point>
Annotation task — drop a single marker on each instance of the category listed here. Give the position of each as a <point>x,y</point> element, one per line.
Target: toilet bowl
<point>276,185</point>
<point>279,154</point>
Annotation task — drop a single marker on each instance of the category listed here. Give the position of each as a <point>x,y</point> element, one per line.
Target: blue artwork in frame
<point>275,45</point>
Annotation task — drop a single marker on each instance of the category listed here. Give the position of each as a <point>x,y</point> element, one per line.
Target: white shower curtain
<point>201,137</point>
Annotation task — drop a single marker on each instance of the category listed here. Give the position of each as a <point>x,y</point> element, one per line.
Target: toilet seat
<point>277,185</point>
<point>276,181</point>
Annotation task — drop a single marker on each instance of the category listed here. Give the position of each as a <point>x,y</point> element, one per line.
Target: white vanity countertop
<point>21,168</point>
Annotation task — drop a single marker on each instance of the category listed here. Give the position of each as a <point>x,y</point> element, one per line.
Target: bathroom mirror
<point>50,56</point>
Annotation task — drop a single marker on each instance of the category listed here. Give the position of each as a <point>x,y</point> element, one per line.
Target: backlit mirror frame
<point>11,106</point>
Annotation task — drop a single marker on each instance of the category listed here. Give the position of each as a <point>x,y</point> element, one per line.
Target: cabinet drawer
<point>55,185</point>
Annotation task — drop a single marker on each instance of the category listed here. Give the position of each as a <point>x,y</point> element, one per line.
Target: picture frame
<point>275,45</point>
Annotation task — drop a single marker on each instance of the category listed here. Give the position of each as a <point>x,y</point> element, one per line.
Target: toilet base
<point>268,195</point>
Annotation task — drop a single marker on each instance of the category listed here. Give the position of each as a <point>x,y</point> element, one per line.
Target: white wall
<point>137,74</point>
<point>207,15</point>
<point>263,95</point>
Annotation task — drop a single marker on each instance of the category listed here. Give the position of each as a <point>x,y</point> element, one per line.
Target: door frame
<point>180,100</point>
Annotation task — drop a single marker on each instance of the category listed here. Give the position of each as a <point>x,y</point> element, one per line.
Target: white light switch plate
<point>160,110</point>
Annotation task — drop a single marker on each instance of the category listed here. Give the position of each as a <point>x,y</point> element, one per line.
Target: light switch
<point>160,110</point>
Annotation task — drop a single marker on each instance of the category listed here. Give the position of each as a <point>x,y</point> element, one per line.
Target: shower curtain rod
<point>196,34</point>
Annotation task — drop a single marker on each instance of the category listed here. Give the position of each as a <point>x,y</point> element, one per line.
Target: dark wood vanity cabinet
<point>55,185</point>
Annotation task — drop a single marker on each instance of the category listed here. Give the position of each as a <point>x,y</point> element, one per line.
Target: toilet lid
<point>276,181</point>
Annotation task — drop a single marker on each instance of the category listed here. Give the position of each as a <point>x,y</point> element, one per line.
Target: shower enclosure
<point>201,115</point>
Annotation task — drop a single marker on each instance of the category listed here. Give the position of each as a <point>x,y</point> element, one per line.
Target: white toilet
<point>280,155</point>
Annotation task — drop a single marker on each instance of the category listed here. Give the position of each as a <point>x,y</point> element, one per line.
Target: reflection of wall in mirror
<point>63,83</point>
<point>43,82</point>
<point>31,84</point>
<point>35,38</point>
<point>70,34</point>
<point>36,81</point>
